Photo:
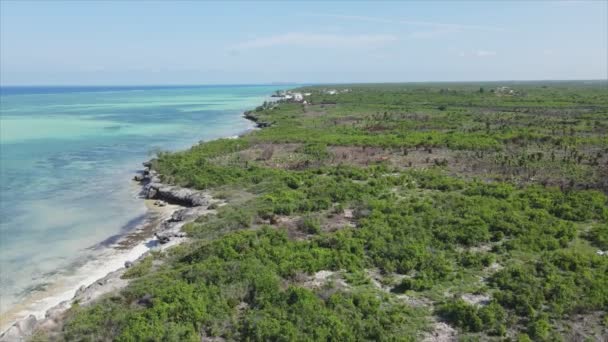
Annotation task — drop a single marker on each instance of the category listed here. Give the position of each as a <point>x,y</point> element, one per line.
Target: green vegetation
<point>373,213</point>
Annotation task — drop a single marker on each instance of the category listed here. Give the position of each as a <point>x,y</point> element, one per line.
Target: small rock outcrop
<point>20,331</point>
<point>162,238</point>
<point>252,117</point>
<point>176,195</point>
<point>262,124</point>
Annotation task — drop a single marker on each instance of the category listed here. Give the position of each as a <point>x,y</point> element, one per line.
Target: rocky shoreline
<point>249,115</point>
<point>188,204</point>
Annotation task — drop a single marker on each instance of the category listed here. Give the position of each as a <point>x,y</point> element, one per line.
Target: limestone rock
<point>20,331</point>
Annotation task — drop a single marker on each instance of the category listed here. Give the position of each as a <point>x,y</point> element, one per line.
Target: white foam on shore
<point>63,289</point>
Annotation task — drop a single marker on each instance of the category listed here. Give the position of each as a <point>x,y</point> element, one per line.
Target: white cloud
<point>485,53</point>
<point>316,40</point>
<point>477,53</point>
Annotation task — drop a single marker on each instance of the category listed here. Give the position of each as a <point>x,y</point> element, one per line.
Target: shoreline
<point>109,259</point>
<point>161,230</point>
<point>169,209</point>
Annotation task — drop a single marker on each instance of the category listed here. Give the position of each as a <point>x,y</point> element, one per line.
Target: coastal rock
<point>177,195</point>
<point>188,214</point>
<point>20,331</point>
<point>147,163</point>
<point>162,239</point>
<point>150,191</point>
<point>180,215</point>
<point>259,124</point>
<point>80,291</point>
<point>56,313</point>
<point>128,264</point>
<point>169,225</point>
<point>250,116</point>
<point>46,325</point>
<point>112,281</point>
<point>138,178</point>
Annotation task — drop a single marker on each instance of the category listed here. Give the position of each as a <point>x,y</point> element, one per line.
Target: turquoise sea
<point>67,156</point>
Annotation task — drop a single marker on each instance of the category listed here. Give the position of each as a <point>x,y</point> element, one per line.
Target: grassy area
<point>375,213</point>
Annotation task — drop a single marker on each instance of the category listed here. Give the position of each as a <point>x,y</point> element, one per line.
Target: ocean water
<point>67,156</point>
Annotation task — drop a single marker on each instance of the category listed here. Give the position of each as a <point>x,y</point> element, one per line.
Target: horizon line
<point>294,83</point>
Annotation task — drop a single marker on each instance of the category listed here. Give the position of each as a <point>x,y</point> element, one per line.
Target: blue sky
<point>190,42</point>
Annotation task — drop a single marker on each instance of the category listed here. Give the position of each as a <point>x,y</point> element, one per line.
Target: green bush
<point>470,318</point>
<point>316,151</point>
<point>140,268</point>
<point>598,235</point>
<point>310,224</point>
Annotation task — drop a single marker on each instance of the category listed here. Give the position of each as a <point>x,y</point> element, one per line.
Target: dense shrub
<point>468,317</point>
<point>598,234</point>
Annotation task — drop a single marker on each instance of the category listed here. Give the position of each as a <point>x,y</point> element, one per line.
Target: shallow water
<point>66,159</point>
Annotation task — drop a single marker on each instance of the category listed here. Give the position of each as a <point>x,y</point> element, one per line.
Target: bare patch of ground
<point>476,299</point>
<point>337,221</point>
<point>324,279</point>
<point>415,302</point>
<point>441,332</point>
<point>388,282</point>
<point>315,111</point>
<point>398,158</point>
<point>346,121</point>
<point>360,156</point>
<point>539,166</point>
<point>275,155</point>
<point>506,165</point>
<point>329,222</point>
<point>292,225</point>
<point>588,327</point>
<point>384,282</point>
<point>481,248</point>
<point>494,267</point>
